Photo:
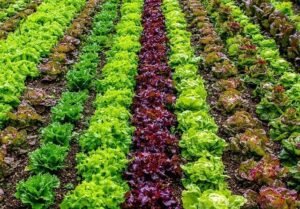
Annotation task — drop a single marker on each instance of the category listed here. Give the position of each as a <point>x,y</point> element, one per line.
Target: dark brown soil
<point>231,160</point>
<point>296,6</point>
<point>54,89</point>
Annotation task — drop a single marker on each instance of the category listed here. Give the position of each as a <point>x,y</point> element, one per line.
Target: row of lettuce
<point>39,190</point>
<point>246,134</point>
<point>106,143</point>
<point>43,92</point>
<point>278,25</point>
<point>204,182</point>
<point>16,16</point>
<point>22,50</point>
<point>288,8</point>
<point>275,83</point>
<point>11,8</point>
<point>154,171</point>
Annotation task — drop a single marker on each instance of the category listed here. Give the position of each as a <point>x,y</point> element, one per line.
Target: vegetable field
<point>149,104</point>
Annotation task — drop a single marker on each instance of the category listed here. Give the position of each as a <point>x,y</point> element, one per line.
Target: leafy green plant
<point>111,113</point>
<point>70,107</point>
<point>113,134</point>
<point>200,120</point>
<point>37,191</point>
<point>57,133</point>
<point>193,198</point>
<point>47,158</point>
<point>35,37</point>
<point>103,194</point>
<point>114,98</point>
<point>103,162</point>
<point>195,143</point>
<point>291,147</point>
<point>79,79</point>
<point>206,173</point>
<point>191,100</point>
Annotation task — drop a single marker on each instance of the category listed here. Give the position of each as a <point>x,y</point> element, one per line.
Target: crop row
<point>12,23</point>
<point>286,7</point>
<point>276,87</point>
<point>154,170</point>
<point>233,111</point>
<point>12,9</point>
<point>107,141</point>
<point>204,180</point>
<point>278,25</point>
<point>22,50</point>
<point>37,191</point>
<point>39,96</point>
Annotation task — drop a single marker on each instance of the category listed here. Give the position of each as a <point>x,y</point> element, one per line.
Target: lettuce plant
<point>291,147</point>
<point>195,143</point>
<point>114,98</point>
<point>200,120</point>
<point>48,158</point>
<point>206,172</point>
<point>70,107</point>
<point>193,198</point>
<point>103,194</point>
<point>57,133</point>
<point>287,123</point>
<point>111,134</point>
<point>103,162</point>
<point>152,195</point>
<point>265,171</point>
<point>241,121</point>
<point>277,198</point>
<point>12,137</point>
<point>230,100</point>
<point>294,174</point>
<point>252,140</point>
<point>153,167</point>
<point>37,191</point>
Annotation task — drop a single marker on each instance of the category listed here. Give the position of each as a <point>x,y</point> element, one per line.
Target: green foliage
<point>291,147</point>
<point>285,125</point>
<point>103,162</point>
<point>47,158</point>
<point>191,100</point>
<point>22,50</point>
<point>200,120</point>
<point>195,143</point>
<point>57,133</point>
<point>211,199</point>
<point>112,134</point>
<point>111,113</point>
<point>103,194</point>
<point>196,84</point>
<point>206,173</point>
<point>289,79</point>
<point>114,98</point>
<point>84,71</point>
<point>37,191</point>
<point>70,107</point>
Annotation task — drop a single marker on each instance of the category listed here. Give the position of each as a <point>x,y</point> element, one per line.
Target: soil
<point>54,89</point>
